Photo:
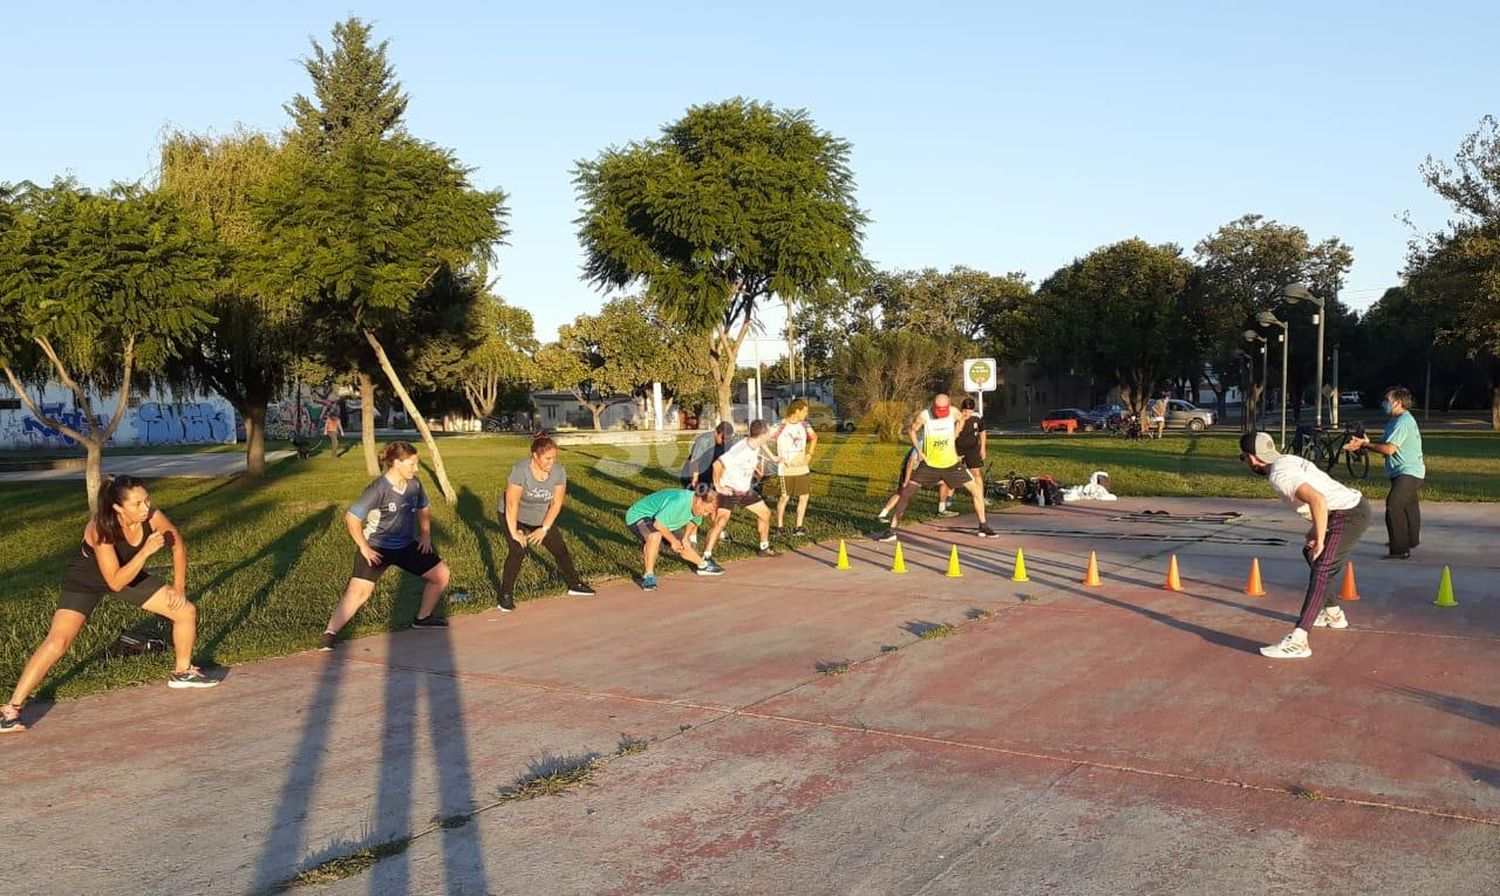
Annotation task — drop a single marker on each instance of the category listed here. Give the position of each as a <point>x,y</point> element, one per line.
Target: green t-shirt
<point>672,507</point>
<point>1407,461</point>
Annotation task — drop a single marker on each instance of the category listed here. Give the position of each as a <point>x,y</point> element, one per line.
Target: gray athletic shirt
<point>536,494</point>
<point>390,517</point>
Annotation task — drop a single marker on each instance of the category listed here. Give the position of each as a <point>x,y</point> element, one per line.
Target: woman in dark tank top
<point>124,533</point>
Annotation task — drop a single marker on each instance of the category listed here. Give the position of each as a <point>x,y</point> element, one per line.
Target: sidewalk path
<point>800,736</point>
<point>207,465</point>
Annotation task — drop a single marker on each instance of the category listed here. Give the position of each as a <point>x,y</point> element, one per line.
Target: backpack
<point>1047,491</point>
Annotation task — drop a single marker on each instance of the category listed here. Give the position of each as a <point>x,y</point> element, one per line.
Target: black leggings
<point>1403,514</point>
<point>552,541</point>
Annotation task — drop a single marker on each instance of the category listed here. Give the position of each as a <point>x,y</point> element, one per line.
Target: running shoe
<point>799,532</point>
<point>724,536</point>
<point>1331,617</point>
<point>648,583</point>
<point>328,639</point>
<point>10,719</point>
<point>945,512</point>
<point>767,551</point>
<point>581,590</point>
<point>984,531</point>
<point>882,515</point>
<point>1289,648</point>
<point>192,678</point>
<point>709,568</point>
<point>507,603</point>
<point>433,621</point>
<point>887,535</point>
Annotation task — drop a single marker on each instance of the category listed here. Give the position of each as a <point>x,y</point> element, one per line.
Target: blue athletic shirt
<point>390,517</point>
<point>1407,461</point>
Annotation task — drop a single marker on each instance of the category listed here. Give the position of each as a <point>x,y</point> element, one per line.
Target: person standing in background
<point>1401,444</point>
<point>795,441</point>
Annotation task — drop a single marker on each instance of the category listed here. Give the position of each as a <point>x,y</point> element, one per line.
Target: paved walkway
<point>204,465</point>
<point>800,736</point>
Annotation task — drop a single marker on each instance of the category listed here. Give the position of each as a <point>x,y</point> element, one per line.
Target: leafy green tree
<point>1117,314</point>
<point>1242,269</point>
<point>1456,271</point>
<point>734,203</point>
<point>94,289</point>
<point>883,378</point>
<point>247,353</point>
<point>963,303</point>
<point>621,350</point>
<point>364,223</point>
<point>494,354</point>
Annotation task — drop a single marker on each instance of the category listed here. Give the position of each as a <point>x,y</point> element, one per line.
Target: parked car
<point>1070,420</point>
<point>1189,415</point>
<point>1111,414</point>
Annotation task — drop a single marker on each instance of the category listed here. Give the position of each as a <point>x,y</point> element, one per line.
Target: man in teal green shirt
<point>1402,446</point>
<point>672,515</point>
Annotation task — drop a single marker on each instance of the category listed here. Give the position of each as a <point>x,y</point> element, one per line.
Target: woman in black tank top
<point>124,533</point>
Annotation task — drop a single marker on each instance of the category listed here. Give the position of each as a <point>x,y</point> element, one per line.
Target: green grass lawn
<point>268,561</point>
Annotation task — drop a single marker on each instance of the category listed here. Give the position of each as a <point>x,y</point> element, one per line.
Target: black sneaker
<point>984,531</point>
<point>724,536</point>
<point>1404,555</point>
<point>507,603</point>
<point>328,639</point>
<point>799,532</point>
<point>581,590</point>
<point>192,678</point>
<point>433,621</point>
<point>767,551</point>
<point>887,535</point>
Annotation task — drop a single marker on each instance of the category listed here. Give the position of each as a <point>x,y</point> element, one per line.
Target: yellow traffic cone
<point>1445,591</point>
<point>953,571</point>
<point>899,566</point>
<point>1020,574</point>
<point>843,556</point>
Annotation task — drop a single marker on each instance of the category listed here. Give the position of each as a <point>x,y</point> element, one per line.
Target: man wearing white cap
<point>1339,515</point>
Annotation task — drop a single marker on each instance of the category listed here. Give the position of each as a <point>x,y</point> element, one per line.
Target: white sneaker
<point>1289,648</point>
<point>1331,617</point>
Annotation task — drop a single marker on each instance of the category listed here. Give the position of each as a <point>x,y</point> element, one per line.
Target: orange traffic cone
<point>1174,583</point>
<point>1349,591</point>
<point>1092,576</point>
<point>1254,588</point>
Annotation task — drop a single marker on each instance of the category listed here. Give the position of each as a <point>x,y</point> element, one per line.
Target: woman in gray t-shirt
<point>529,508</point>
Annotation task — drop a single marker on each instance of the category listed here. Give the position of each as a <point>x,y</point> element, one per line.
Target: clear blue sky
<point>1001,136</point>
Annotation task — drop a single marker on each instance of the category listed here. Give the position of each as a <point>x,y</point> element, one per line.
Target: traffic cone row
<point>1254,587</point>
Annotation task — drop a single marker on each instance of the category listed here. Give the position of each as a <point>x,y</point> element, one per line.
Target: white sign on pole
<point>979,377</point>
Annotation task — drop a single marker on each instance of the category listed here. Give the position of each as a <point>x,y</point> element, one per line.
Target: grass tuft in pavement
<point>552,776</point>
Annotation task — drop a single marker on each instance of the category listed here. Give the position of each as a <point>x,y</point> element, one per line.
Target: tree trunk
<point>444,485</point>
<point>255,440</point>
<point>1495,408</point>
<point>598,412</point>
<point>93,470</point>
<point>367,422</point>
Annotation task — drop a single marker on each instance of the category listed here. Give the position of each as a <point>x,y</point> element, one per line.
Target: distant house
<point>563,409</point>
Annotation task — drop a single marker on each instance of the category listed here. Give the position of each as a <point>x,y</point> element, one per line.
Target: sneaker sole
<point>572,593</point>
<point>183,685</point>
<point>1333,625</point>
<point>707,572</point>
<point>1278,655</point>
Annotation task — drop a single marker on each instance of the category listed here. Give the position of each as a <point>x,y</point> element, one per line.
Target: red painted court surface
<point>801,737</point>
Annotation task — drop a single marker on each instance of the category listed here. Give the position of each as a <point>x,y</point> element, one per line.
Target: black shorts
<point>736,501</point>
<point>136,594</point>
<point>642,529</point>
<point>972,461</point>
<point>954,477</point>
<point>409,558</point>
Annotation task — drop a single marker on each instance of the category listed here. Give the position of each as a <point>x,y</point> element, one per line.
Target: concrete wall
<point>154,419</point>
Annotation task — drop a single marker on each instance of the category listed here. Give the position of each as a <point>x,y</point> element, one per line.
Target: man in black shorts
<point>734,480</point>
<point>933,436</point>
<point>972,443</point>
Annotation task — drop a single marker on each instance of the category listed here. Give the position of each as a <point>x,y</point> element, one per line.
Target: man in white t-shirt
<point>795,442</point>
<point>734,479</point>
<point>1339,516</point>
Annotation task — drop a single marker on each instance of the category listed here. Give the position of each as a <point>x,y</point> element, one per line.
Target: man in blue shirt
<point>1402,446</point>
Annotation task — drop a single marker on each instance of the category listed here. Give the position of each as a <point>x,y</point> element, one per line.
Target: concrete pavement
<point>801,736</point>
<point>199,465</point>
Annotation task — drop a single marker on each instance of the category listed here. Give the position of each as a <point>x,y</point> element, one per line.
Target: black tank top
<point>83,573</point>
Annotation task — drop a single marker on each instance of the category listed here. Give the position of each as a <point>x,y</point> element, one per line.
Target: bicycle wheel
<point>1358,463</point>
<point>1310,451</point>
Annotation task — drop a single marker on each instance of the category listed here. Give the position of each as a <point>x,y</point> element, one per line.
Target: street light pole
<point>1265,384</point>
<point>1300,292</point>
<point>1267,319</point>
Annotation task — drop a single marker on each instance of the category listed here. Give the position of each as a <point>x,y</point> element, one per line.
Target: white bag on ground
<point>1097,489</point>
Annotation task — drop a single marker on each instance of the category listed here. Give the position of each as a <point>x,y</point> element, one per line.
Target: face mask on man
<point>1386,405</point>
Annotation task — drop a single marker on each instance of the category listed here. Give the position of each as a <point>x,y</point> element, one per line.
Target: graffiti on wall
<point>158,423</point>
<point>288,418</point>
<point>35,433</point>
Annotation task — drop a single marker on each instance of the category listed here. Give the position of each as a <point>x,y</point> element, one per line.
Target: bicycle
<point>1326,448</point>
<point>1011,486</point>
